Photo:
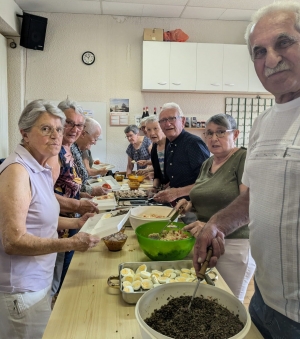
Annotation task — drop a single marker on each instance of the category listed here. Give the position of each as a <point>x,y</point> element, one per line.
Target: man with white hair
<point>271,202</point>
<point>89,136</point>
<point>184,154</point>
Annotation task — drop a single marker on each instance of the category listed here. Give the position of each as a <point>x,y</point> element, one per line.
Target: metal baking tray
<point>132,198</point>
<point>133,297</point>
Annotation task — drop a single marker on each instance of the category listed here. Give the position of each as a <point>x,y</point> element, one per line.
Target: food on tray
<point>143,279</point>
<point>105,197</point>
<point>126,271</point>
<point>106,216</point>
<point>169,235</point>
<point>172,321</point>
<point>131,194</point>
<point>128,289</point>
<point>107,186</point>
<point>97,162</point>
<point>141,268</point>
<point>151,216</point>
<point>136,285</point>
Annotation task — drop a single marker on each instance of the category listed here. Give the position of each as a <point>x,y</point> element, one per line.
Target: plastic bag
<point>176,35</point>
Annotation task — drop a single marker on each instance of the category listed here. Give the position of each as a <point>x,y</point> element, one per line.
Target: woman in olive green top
<point>218,184</point>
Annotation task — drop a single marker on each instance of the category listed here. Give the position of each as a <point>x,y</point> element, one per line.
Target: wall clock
<point>88,58</point>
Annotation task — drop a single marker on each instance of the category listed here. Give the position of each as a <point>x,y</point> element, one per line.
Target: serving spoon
<point>202,275</point>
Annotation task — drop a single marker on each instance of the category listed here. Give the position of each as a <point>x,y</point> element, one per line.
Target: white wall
<point>8,11</point>
<point>117,72</point>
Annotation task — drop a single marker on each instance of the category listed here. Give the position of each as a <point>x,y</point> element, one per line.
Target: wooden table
<point>87,308</point>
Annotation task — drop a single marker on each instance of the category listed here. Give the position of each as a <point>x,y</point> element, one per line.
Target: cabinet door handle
<point>176,83</point>
<point>162,83</point>
<point>215,84</point>
<point>229,84</point>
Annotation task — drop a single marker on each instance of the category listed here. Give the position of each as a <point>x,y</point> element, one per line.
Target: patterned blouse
<point>68,183</point>
<point>141,153</point>
<point>82,172</point>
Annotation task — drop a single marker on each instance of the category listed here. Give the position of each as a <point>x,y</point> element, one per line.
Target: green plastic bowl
<point>163,250</point>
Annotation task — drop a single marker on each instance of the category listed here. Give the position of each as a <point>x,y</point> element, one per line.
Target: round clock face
<point>88,58</point>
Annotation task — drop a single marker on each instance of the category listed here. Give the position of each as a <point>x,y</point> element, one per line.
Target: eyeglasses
<point>129,136</point>
<point>170,120</point>
<point>48,130</point>
<point>94,140</point>
<point>70,123</point>
<point>219,134</point>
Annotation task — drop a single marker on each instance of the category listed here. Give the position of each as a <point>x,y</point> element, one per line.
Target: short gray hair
<point>222,119</point>
<point>91,125</point>
<point>143,121</point>
<point>172,105</point>
<point>289,6</point>
<point>131,128</point>
<point>66,104</point>
<point>33,111</point>
<point>152,118</point>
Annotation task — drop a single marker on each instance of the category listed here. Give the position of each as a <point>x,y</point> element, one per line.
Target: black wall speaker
<point>33,31</point>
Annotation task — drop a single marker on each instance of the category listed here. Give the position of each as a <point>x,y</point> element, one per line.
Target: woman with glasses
<point>69,184</point>
<point>89,136</point>
<point>138,150</point>
<point>29,220</point>
<point>158,139</point>
<point>218,184</point>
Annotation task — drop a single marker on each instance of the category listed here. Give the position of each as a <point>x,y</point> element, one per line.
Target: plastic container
<point>157,297</point>
<point>163,250</point>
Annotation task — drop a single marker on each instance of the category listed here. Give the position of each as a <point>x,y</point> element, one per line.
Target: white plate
<point>106,180</point>
<point>104,227</point>
<point>103,165</point>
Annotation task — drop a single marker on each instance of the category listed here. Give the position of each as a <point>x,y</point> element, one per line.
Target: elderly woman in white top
<point>29,219</point>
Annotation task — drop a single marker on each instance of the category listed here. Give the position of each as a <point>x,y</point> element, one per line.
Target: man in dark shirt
<point>184,154</point>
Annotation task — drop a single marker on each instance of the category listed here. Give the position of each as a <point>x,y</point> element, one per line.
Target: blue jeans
<point>270,323</point>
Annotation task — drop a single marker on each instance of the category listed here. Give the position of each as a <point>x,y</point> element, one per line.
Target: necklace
<point>226,158</point>
<point>215,166</point>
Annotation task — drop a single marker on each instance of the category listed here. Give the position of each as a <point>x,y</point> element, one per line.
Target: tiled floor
<point>249,293</point>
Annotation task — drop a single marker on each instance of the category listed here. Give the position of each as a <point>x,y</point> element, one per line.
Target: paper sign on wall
<point>119,112</point>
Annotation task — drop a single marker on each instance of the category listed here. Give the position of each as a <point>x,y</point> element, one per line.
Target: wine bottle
<point>147,112</point>
<point>144,113</point>
<point>154,111</point>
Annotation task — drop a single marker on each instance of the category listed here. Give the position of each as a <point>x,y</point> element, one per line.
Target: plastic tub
<point>157,297</point>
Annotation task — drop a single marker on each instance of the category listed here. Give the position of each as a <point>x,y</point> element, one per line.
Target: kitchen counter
<point>87,308</point>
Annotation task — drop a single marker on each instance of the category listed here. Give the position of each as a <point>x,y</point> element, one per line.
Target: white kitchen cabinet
<point>183,65</point>
<point>209,67</point>
<point>235,68</point>
<point>254,85</point>
<point>156,65</point>
<point>169,66</point>
<point>175,66</point>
